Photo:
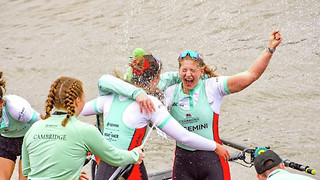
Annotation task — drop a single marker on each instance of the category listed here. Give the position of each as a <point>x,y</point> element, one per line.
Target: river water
<point>41,40</point>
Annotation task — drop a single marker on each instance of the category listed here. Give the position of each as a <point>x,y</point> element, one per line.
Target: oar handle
<point>299,167</point>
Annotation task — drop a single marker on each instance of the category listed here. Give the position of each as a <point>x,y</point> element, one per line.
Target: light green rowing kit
<point>51,151</point>
<point>17,116</point>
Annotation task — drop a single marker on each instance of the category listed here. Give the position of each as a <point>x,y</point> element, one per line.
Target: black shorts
<point>105,171</point>
<point>204,165</point>
<point>10,148</point>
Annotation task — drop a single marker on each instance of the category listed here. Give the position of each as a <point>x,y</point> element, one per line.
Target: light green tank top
<point>199,119</point>
<point>116,131</point>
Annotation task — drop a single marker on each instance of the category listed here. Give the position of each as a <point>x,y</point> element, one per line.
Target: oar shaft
<point>299,167</point>
<point>235,145</point>
<point>286,162</point>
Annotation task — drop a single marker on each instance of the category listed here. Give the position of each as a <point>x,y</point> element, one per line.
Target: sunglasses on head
<point>190,53</point>
<point>156,60</point>
<point>158,64</point>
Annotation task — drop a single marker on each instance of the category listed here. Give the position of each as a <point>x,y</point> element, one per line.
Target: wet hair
<point>62,94</point>
<point>144,69</point>
<point>2,86</point>
<point>207,70</point>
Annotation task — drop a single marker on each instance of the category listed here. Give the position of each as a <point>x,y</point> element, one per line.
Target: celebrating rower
<point>195,103</point>
<point>125,127</point>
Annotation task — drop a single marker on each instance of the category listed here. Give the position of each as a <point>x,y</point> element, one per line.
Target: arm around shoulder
<point>108,84</point>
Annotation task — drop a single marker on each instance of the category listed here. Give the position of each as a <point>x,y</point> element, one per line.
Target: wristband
<point>270,50</point>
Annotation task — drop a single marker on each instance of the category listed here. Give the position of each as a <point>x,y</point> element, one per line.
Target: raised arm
<point>242,80</point>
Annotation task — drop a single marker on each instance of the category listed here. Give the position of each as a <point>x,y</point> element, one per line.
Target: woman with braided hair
<point>125,127</point>
<point>56,147</point>
<point>16,117</point>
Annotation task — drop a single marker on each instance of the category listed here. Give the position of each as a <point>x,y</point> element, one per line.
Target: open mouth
<point>188,82</point>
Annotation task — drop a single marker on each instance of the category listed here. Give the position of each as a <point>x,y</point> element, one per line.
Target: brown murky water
<point>41,40</point>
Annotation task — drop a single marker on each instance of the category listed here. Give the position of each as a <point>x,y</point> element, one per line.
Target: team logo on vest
<point>189,119</point>
<point>51,126</point>
<point>111,137</point>
<point>21,113</point>
<point>50,137</point>
<point>175,104</point>
<point>112,125</point>
<point>197,127</point>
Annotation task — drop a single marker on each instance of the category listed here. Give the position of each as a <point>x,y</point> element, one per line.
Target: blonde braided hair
<point>62,94</point>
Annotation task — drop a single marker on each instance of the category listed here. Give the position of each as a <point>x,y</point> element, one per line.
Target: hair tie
<point>139,72</point>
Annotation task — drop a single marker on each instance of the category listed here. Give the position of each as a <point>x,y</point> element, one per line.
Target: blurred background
<point>41,40</point>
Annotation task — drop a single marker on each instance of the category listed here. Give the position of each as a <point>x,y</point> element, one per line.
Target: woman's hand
<point>274,39</point>
<point>146,103</point>
<point>222,152</point>
<point>139,150</point>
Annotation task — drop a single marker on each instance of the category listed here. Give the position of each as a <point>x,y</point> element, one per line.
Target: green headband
<point>136,53</point>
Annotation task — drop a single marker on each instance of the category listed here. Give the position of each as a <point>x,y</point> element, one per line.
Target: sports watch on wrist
<point>270,50</point>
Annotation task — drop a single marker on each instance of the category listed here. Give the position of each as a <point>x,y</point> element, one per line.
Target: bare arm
<point>242,80</point>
